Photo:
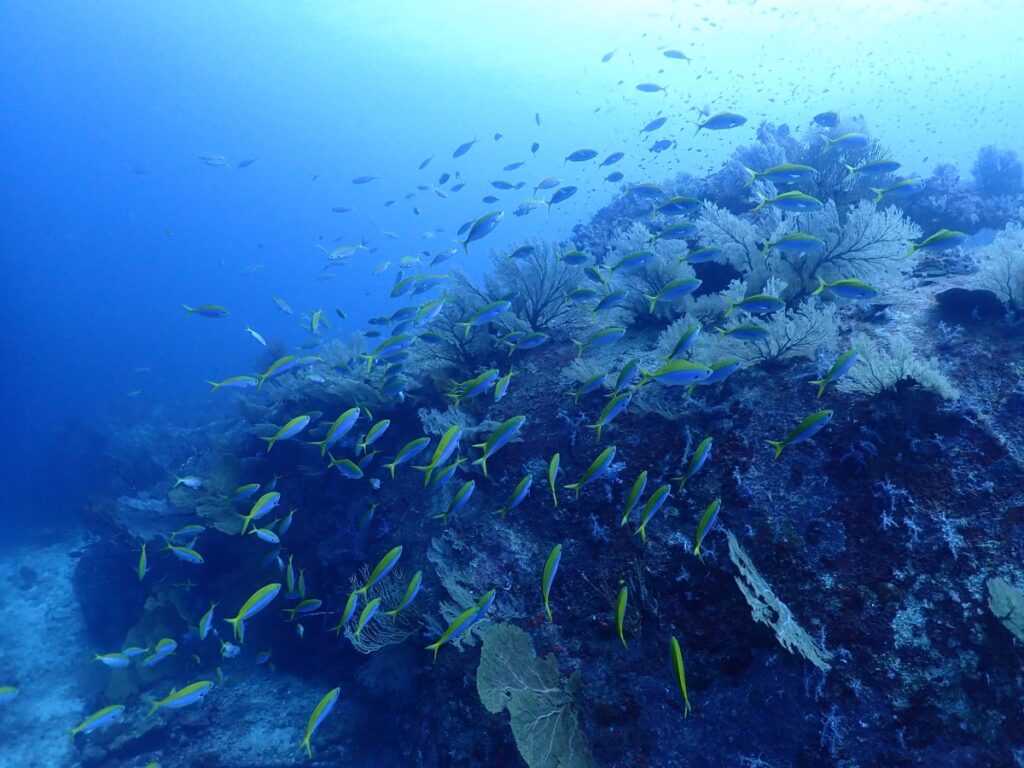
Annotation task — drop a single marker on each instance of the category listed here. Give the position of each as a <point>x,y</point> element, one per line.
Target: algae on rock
<point>543,712</point>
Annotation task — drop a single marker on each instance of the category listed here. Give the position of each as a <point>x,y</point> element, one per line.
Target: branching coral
<point>538,283</point>
<point>867,244</point>
<point>770,610</point>
<point>880,369</point>
<point>805,331</point>
<point>1002,266</point>
<point>543,714</point>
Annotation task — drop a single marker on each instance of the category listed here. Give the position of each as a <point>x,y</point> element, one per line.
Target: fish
<point>389,349</point>
<point>458,625</point>
<point>846,141</point>
<point>347,612</point>
<point>620,614</point>
<point>520,492</point>
<point>409,451</point>
<point>176,699</point>
<point>410,594</point>
<point>678,231</point>
<point>463,148</point>
<point>364,179</point>
<point>827,119</point>
<point>289,430</point>
<point>206,623</point>
<point>484,315</point>
<point>654,503</point>
<point>501,386</point>
<point>613,299</point>
<point>256,335</point>
<point>677,373</point>
<point>786,173</point>
<point>98,720</point>
<point>614,407</point>
<point>514,166</point>
<point>680,672</point>
<point>7,693</point>
<point>382,569</point>
<point>552,474</point>
<point>607,57</point>
<point>282,305</point>
<point>372,435</point>
<point>446,446</point>
<point>489,199</point>
<point>795,243</point>
<point>704,255</point>
<point>319,714</point>
<point>185,554</point>
<point>369,611</point>
<point>661,145</point>
<point>939,241</point>
<point>286,522</point>
<point>872,168</point>
<point>646,191</point>
<point>614,176</point>
<point>481,228</point>
<point>838,370</point>
<point>580,156</point>
<point>707,522</point>
<point>672,290</point>
<point>685,342</point>
<point>503,185</point>
<point>792,202</point>
<point>599,339</point>
<point>498,439</point>
<point>700,456</point>
<point>596,469</point>
<point>626,376</point>
<point>460,500</point>
<point>265,534</point>
<point>651,88</point>
<point>612,159</point>
<point>234,382</point>
<point>523,251</point>
<point>263,506</point>
<point>465,390</point>
<point>534,147</point>
<point>574,258</point>
<point>346,467</point>
<point>757,304</point>
<point>805,430</point>
<point>849,288</point>
<point>721,121</point>
<point>342,209</point>
<point>561,195</point>
<point>548,577</point>
<point>259,600</point>
<point>341,427</point>
<point>112,660</point>
<point>745,332</point>
<point>900,188</point>
<point>142,568</point>
<point>674,54</point>
<point>634,496</point>
<point>679,206</point>
<point>653,125</point>
<point>278,367</point>
<point>425,163</point>
<point>206,310</point>
<point>634,260</point>
<point>189,481</point>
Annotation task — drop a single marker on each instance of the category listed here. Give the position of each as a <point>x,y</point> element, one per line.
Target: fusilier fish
<point>620,614</point>
<point>552,474</point>
<point>382,569</point>
<point>548,577</point>
<point>259,600</point>
<point>263,506</point>
<point>680,672</point>
<point>206,310</point>
<point>176,699</point>
<point>758,304</point>
<point>679,372</point>
<point>485,315</point>
<point>234,382</point>
<point>597,468</point>
<point>600,339</point>
<point>341,427</point>
<point>673,290</point>
<point>520,492</point>
<point>460,500</point>
<point>320,712</point>
<point>787,173</point>
<point>369,611</point>
<point>458,625</point>
<point>498,439</point>
<point>614,407</point>
<point>634,496</point>
<point>447,445</point>
<point>792,202</point>
<point>481,228</point>
<point>409,451</point>
<point>410,594</point>
<point>654,503</point>
<point>805,430</point>
<point>700,456</point>
<point>837,371</point>
<point>98,720</point>
<point>720,122</point>
<point>707,522</point>
<point>848,288</point>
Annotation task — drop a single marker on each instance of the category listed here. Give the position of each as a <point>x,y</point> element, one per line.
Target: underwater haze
<point>558,385</point>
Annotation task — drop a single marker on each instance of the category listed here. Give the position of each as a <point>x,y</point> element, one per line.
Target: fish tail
<point>821,384</point>
<point>852,171</point>
<point>547,610</point>
<point>391,468</point>
<point>235,624</point>
<point>188,310</point>
<point>307,746</point>
<point>435,647</point>
<point>778,445</point>
<point>503,511</point>
<point>728,311</point>
<point>153,707</point>
<point>214,385</point>
<point>270,442</point>
<point>245,524</point>
<point>822,285</point>
<point>642,531</point>
<point>482,461</point>
<point>581,345</point>
<point>690,389</point>
<point>879,194</point>
<point>465,245</point>
<point>828,143</point>
<point>753,176</point>
<point>761,201</point>
<point>652,301</point>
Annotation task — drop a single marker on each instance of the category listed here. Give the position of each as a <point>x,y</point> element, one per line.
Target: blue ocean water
<point>306,156</point>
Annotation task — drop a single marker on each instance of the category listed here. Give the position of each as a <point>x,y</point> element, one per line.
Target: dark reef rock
<point>968,306</point>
